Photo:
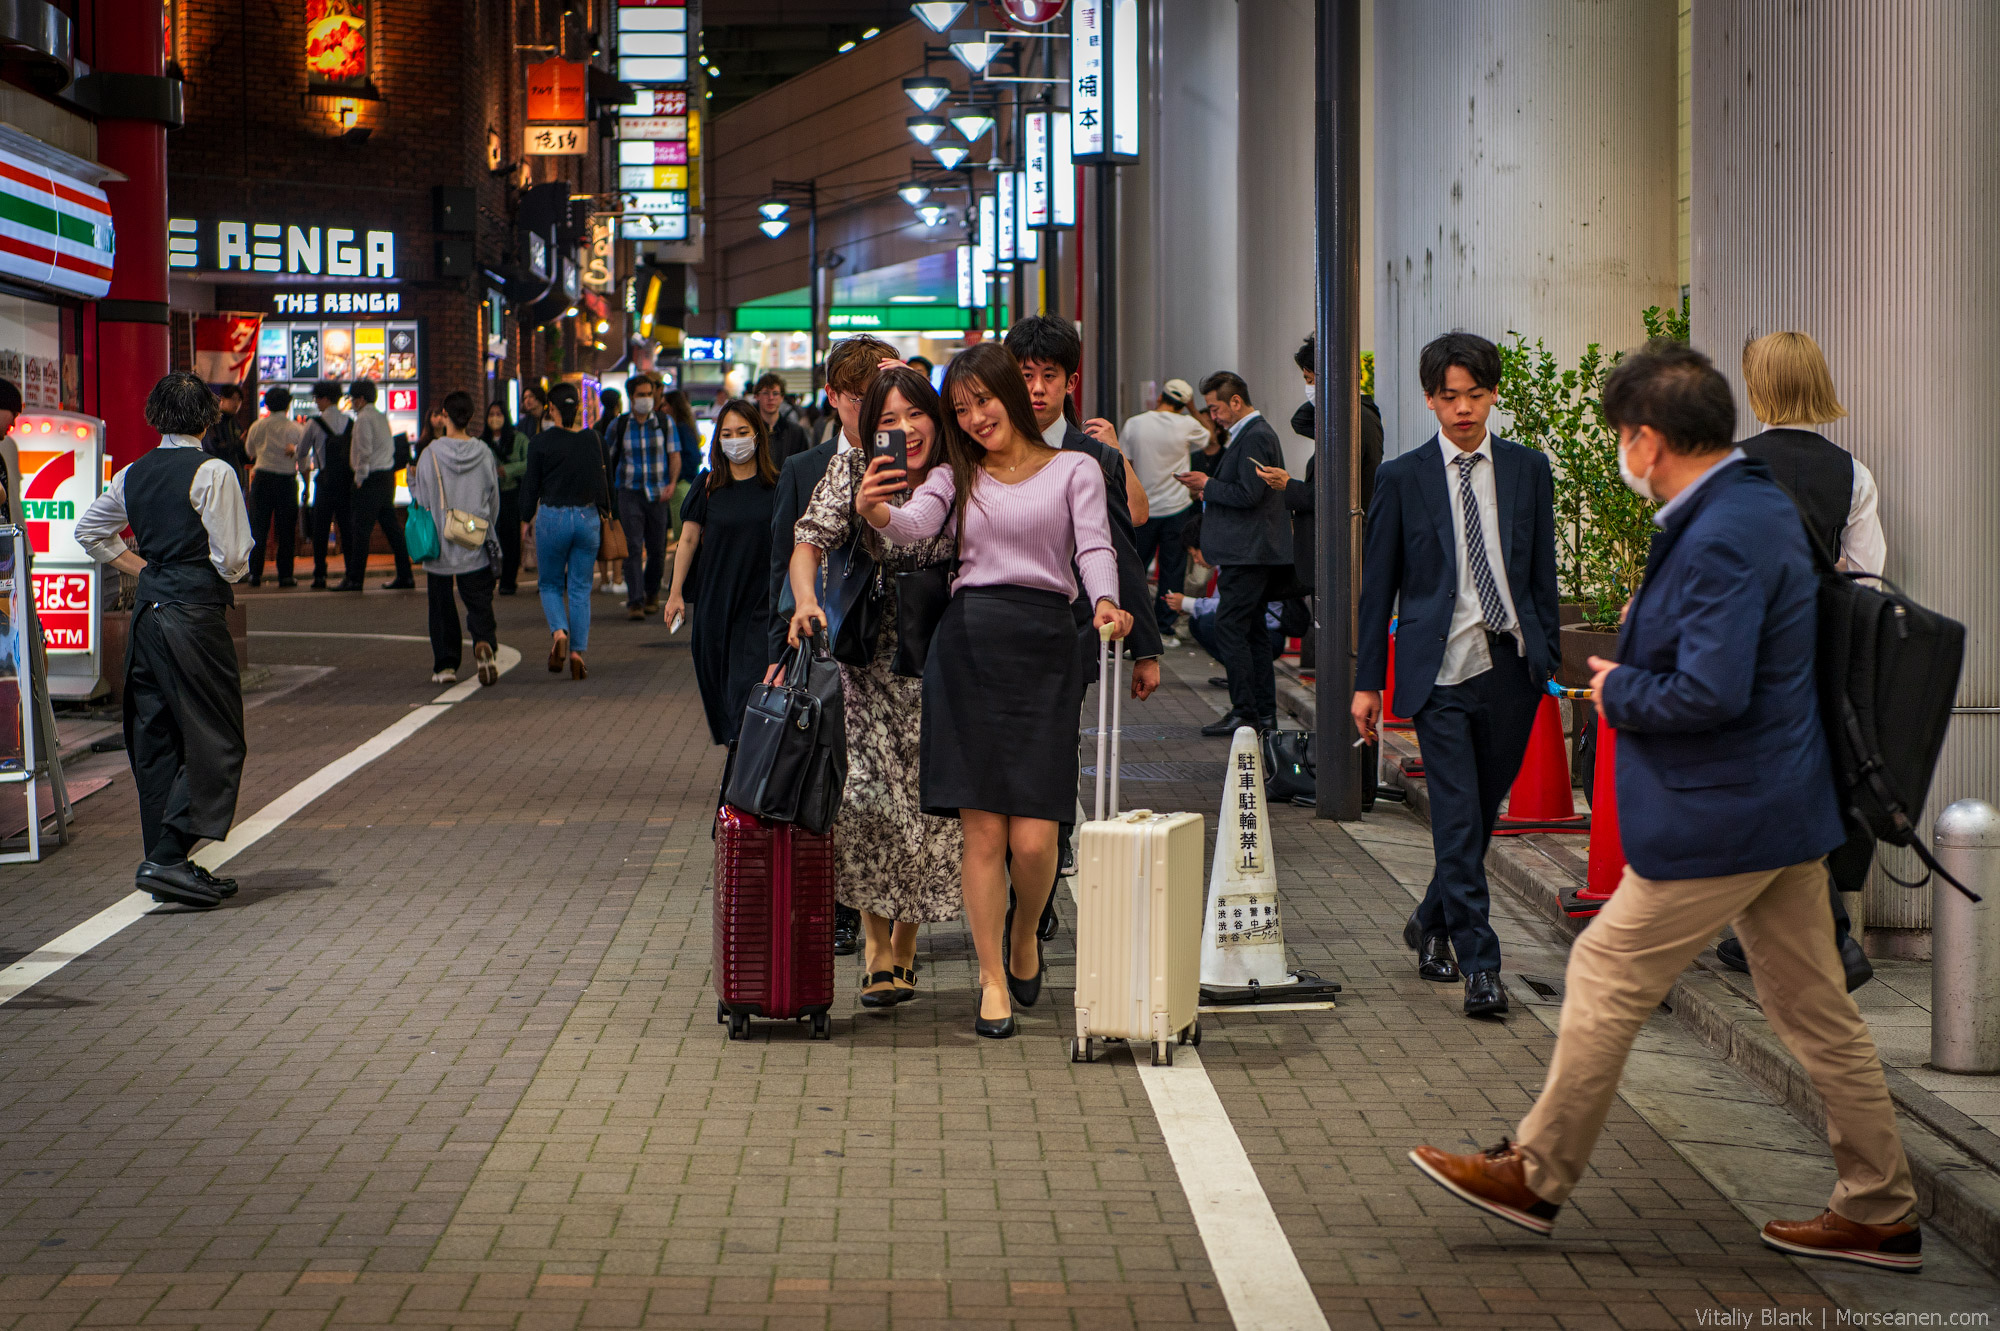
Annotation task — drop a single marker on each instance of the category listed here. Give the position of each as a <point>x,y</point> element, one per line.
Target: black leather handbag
<point>790,762</point>
<point>1289,774</point>
<point>854,589</point>
<point>921,596</point>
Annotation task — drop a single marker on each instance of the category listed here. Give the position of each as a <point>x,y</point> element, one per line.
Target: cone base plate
<point>1527,826</point>
<point>1304,987</point>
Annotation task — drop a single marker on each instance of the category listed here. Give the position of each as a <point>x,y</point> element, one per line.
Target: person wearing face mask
<point>788,437</point>
<point>645,468</point>
<point>727,518</point>
<point>564,497</point>
<point>510,455</point>
<point>1461,533</point>
<point>897,865</point>
<point>1004,682</point>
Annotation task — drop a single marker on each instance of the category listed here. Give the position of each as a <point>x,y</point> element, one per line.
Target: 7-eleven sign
<point>61,472</point>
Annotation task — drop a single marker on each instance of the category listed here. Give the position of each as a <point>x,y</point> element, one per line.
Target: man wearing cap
<point>1161,444</point>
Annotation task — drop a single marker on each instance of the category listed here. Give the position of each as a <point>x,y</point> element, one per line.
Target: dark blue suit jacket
<point>1722,765</point>
<point>1411,557</point>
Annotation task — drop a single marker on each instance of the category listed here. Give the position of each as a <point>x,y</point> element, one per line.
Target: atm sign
<point>63,601</point>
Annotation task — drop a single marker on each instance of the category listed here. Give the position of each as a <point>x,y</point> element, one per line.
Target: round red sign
<point>1029,13</point>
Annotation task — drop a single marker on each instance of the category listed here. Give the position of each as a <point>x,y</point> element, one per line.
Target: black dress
<point>729,597</point>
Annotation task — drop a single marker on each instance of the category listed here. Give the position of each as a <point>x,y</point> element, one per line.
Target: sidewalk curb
<point>1954,1161</point>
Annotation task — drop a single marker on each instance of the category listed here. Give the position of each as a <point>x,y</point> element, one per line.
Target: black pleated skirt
<point>1002,690</point>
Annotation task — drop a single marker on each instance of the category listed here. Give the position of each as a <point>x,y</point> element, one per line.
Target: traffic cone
<point>1540,800</point>
<point>1607,850</point>
<point>1389,717</point>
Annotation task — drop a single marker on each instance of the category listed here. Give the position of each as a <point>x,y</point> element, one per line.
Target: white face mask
<point>1639,485</point>
<point>642,406</point>
<point>739,450</point>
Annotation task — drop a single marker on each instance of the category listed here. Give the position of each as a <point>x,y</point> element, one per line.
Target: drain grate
<point>1209,772</point>
<point>1153,734</point>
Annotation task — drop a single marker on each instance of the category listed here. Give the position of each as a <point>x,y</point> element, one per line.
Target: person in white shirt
<point>1161,444</point>
<point>183,693</point>
<point>374,453</point>
<point>272,445</point>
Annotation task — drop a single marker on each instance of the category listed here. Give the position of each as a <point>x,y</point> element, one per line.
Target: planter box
<point>1579,644</point>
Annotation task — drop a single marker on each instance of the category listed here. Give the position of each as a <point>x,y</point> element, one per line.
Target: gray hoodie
<point>470,482</point>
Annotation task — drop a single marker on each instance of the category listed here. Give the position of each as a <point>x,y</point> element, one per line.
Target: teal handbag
<point>420,533</point>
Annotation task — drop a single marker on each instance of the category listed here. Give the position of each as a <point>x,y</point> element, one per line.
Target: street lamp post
<point>773,211</point>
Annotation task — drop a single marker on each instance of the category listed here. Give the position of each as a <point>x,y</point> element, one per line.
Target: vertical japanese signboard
<point>1049,179</point>
<point>1104,80</point>
<point>62,470</point>
<point>659,133</point>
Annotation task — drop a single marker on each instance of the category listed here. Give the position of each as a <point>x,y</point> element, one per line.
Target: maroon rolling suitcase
<point>773,923</point>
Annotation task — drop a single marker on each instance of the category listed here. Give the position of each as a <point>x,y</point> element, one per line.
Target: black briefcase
<point>790,763</point>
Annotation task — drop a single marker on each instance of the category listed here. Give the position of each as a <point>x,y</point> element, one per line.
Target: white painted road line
<point>1254,1265</point>
<point>121,915</point>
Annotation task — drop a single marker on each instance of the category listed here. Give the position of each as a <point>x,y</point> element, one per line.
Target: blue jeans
<point>565,551</point>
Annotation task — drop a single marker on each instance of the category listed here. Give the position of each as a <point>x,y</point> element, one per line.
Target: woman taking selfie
<point>563,493</point>
<point>727,519</point>
<point>1004,681</point>
<point>510,456</point>
<point>897,865</point>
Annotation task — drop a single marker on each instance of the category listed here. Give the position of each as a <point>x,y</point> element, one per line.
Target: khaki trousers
<point>1626,961</point>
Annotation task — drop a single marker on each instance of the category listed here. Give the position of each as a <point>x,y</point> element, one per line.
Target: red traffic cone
<point>1540,800</point>
<point>1607,850</point>
<point>1389,717</point>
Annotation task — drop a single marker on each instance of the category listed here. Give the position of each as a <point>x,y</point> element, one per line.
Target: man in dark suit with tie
<point>1461,546</point>
<point>1727,809</point>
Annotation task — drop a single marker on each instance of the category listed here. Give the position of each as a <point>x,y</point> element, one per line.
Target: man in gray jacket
<point>1247,534</point>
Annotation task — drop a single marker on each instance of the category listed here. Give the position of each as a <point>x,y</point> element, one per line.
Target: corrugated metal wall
<point>1525,165</point>
<point>1847,182</point>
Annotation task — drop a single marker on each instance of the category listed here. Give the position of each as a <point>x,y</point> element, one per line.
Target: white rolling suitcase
<point>1139,910</point>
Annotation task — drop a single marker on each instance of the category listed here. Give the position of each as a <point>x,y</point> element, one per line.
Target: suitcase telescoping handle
<point>1109,654</point>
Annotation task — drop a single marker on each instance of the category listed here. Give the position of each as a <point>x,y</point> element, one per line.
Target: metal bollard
<point>1965,942</point>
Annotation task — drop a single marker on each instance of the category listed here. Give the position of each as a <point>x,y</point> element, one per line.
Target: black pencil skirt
<point>1003,687</point>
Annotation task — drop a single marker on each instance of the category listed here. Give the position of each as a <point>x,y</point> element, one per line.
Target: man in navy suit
<point>1461,535</point>
<point>1727,806</point>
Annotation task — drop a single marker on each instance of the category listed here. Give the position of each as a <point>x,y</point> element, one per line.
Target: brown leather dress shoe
<point>1898,1247</point>
<point>1493,1180</point>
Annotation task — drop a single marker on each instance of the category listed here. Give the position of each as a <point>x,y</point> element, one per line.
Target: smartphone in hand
<point>894,445</point>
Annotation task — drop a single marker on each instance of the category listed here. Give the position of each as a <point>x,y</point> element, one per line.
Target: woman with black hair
<point>510,456</point>
<point>565,495</point>
<point>687,438</point>
<point>457,472</point>
<point>1004,681</point>
<point>896,864</point>
<point>727,519</point>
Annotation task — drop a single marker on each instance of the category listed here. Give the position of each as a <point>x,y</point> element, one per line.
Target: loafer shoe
<point>222,887</point>
<point>1434,962</point>
<point>1218,681</point>
<point>1483,995</point>
<point>1413,936</point>
<point>1897,1247</point>
<point>1495,1181</point>
<point>1730,953</point>
<point>1856,970</point>
<point>846,931</point>
<point>1225,725</point>
<point>176,883</point>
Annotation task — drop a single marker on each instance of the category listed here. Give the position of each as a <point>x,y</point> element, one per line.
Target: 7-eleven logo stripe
<point>51,470</point>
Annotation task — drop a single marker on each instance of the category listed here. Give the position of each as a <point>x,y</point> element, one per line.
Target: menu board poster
<point>305,352</point>
<point>371,349</point>
<point>336,351</point>
<point>402,354</point>
<point>274,353</point>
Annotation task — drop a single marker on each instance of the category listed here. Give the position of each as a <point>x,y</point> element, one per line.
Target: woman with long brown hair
<point>727,519</point>
<point>897,865</point>
<point>1004,682</point>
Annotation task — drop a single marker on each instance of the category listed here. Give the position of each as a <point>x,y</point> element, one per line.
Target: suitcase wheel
<point>822,1026</point>
<point>739,1027</point>
<point>1163,1053</point>
<point>1192,1035</point>
<point>1083,1049</point>
<point>721,1012</point>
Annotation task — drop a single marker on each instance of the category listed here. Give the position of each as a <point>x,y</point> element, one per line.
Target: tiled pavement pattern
<point>450,1059</point>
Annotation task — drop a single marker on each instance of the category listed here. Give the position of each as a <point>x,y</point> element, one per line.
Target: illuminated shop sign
<point>55,230</point>
<point>340,351</point>
<point>280,247</point>
<point>1050,178</point>
<point>659,133</point>
<point>1104,80</point>
<point>705,348</point>
<point>337,45</point>
<point>337,302</point>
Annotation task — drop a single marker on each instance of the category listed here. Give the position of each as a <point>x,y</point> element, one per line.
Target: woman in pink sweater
<point>1004,681</point>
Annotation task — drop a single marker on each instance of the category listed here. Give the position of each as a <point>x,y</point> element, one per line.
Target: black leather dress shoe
<point>222,887</point>
<point>991,1028</point>
<point>1434,960</point>
<point>846,931</point>
<point>1218,681</point>
<point>1026,991</point>
<point>1483,995</point>
<point>1412,935</point>
<point>176,883</point>
<point>1225,725</point>
<point>1856,970</point>
<point>288,582</point>
<point>399,586</point>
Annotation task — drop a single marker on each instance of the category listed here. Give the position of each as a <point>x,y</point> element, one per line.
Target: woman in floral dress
<point>897,865</point>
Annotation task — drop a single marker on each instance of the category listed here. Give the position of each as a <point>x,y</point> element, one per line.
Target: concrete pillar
<point>1846,177</point>
<point>1524,179</point>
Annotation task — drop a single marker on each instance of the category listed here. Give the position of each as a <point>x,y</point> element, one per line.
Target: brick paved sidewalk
<point>451,1059</point>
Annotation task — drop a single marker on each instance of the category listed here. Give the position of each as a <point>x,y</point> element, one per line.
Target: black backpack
<point>1888,675</point>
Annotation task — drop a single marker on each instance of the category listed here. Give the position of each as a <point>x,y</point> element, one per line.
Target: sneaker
<point>444,677</point>
<point>489,669</point>
<point>614,588</point>
<point>1495,1181</point>
<point>1897,1247</point>
<point>1170,640</point>
<point>635,612</point>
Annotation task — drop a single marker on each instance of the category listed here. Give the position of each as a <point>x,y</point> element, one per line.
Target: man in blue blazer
<point>1461,533</point>
<point>1727,806</point>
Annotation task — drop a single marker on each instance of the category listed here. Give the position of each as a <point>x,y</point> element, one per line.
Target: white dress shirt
<point>1055,432</point>
<point>1242,421</point>
<point>1465,653</point>
<point>1863,548</point>
<point>373,450</point>
<point>215,494</point>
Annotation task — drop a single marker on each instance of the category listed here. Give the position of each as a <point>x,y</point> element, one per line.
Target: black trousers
<point>1473,737</point>
<point>1162,537</point>
<point>645,522</point>
<point>1241,641</point>
<point>375,501</point>
<point>274,498</point>
<point>508,524</point>
<point>183,723</point>
<point>476,590</point>
<point>332,510</point>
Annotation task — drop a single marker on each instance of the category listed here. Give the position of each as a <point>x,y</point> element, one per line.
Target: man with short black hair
<point>1727,810</point>
<point>272,445</point>
<point>183,694</point>
<point>327,455</point>
<point>1461,545</point>
<point>788,437</point>
<point>645,466</point>
<point>374,493</point>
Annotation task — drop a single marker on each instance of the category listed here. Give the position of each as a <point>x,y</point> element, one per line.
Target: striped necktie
<point>1491,607</point>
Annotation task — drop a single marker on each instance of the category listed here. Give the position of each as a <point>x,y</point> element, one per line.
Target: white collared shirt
<point>1465,653</point>
<point>1242,421</point>
<point>1680,500</point>
<point>1055,432</point>
<point>214,493</point>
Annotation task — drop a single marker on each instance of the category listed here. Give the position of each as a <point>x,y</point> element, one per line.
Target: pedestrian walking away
<point>645,464</point>
<point>1727,810</point>
<point>897,865</point>
<point>722,566</point>
<point>457,478</point>
<point>1162,444</point>
<point>510,457</point>
<point>183,703</point>
<point>329,457</point>
<point>1003,682</point>
<point>1476,645</point>
<point>375,491</point>
<point>272,445</point>
<point>687,440</point>
<point>565,499</point>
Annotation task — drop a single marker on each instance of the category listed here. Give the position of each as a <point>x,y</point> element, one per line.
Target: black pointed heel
<point>1025,992</point>
<point>881,997</point>
<point>997,1028</point>
<point>908,975</point>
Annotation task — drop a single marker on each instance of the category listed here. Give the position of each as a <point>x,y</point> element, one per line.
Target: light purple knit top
<point>1025,534</point>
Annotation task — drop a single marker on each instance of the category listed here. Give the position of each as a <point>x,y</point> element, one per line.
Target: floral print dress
<point>894,861</point>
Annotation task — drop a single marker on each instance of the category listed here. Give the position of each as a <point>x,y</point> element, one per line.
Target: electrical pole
<point>1106,331</point>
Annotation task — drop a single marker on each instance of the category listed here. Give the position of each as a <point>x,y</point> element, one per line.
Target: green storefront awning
<point>755,318</point>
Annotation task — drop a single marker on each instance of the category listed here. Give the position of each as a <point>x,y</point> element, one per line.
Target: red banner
<point>225,346</point>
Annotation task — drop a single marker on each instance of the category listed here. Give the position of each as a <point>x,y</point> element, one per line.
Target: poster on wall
<point>338,36</point>
<point>225,346</point>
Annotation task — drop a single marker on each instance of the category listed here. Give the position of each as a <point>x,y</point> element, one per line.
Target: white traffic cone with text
<point>1243,933</point>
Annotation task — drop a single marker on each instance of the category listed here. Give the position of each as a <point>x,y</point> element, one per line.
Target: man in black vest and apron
<point>183,693</point>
